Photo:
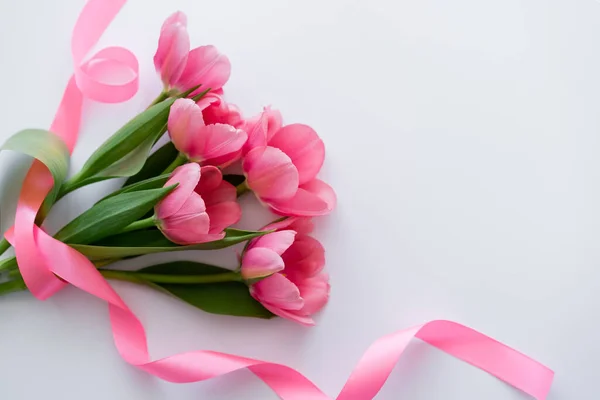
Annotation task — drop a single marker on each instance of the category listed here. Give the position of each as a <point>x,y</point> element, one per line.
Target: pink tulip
<point>215,144</point>
<point>173,48</point>
<point>199,208</point>
<point>290,264</point>
<point>216,110</point>
<point>205,66</point>
<point>282,172</point>
<point>184,69</point>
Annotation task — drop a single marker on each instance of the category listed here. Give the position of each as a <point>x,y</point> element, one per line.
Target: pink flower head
<point>205,66</point>
<point>291,264</point>
<point>282,173</point>
<point>215,144</point>
<point>216,110</point>
<point>200,208</point>
<point>173,48</point>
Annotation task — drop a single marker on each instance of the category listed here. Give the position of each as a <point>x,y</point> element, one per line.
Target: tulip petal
<point>192,209</point>
<point>172,52</point>
<point>304,259</point>
<point>223,215</point>
<point>217,111</point>
<point>207,67</point>
<point>183,237</point>
<point>210,179</point>
<point>277,290</point>
<point>184,125</point>
<point>294,315</point>
<point>217,141</point>
<point>190,223</point>
<point>187,177</point>
<point>302,225</point>
<point>274,121</point>
<point>323,191</point>
<point>302,144</point>
<point>315,293</point>
<point>225,160</point>
<point>257,132</point>
<point>303,204</point>
<point>178,17</point>
<point>312,199</point>
<point>270,173</point>
<point>226,192</point>
<point>276,241</point>
<point>259,262</point>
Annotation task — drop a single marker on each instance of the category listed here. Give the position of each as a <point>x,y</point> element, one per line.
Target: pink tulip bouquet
<point>183,164</point>
<point>183,195</point>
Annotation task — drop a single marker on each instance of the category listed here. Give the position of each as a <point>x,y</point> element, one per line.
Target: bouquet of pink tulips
<point>184,194</point>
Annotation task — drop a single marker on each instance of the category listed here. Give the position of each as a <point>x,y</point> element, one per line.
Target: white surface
<point>462,141</point>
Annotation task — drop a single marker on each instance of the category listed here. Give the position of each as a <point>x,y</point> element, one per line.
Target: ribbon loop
<point>108,64</point>
<point>95,17</point>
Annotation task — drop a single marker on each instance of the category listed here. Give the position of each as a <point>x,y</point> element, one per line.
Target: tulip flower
<point>214,144</point>
<point>288,265</point>
<point>282,171</point>
<point>173,48</point>
<point>200,208</point>
<point>183,69</point>
<point>215,110</point>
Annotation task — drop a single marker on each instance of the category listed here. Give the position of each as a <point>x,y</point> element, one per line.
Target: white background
<point>462,141</point>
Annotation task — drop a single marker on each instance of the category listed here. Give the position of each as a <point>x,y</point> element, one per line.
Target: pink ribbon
<point>42,260</point>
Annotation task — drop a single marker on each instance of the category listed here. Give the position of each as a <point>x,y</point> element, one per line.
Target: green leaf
<point>125,152</point>
<point>152,183</point>
<point>228,298</point>
<point>131,163</point>
<point>156,163</point>
<point>45,147</point>
<point>110,216</point>
<point>152,241</point>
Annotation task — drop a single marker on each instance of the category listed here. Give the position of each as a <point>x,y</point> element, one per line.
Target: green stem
<point>17,283</point>
<point>4,245</point>
<point>9,264</point>
<point>242,188</point>
<point>133,276</point>
<point>141,224</point>
<point>12,286</point>
<point>180,160</point>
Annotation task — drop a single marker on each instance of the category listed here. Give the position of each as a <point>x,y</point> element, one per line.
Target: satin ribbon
<point>47,265</point>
